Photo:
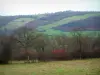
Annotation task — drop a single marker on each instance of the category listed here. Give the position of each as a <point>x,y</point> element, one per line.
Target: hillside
<point>91,23</point>
<point>53,23</point>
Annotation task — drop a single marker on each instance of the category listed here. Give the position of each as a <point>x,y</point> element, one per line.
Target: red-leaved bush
<point>58,51</point>
<point>59,54</point>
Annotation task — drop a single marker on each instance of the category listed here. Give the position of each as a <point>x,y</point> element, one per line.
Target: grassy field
<point>17,23</point>
<point>58,32</point>
<point>48,28</point>
<point>73,67</point>
<point>67,20</point>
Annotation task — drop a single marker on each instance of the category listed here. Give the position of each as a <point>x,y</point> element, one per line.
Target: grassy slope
<point>58,32</point>
<point>48,28</point>
<point>17,23</point>
<point>67,20</point>
<point>74,67</point>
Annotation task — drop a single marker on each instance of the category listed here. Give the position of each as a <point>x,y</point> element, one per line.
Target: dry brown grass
<point>74,67</point>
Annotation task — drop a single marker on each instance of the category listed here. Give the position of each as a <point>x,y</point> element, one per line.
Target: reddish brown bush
<point>59,54</point>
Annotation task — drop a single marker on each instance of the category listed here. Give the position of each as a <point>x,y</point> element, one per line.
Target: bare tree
<point>96,45</point>
<point>25,38</point>
<point>77,35</point>
<point>40,44</point>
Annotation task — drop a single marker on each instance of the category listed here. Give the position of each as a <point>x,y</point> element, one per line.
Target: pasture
<point>70,67</point>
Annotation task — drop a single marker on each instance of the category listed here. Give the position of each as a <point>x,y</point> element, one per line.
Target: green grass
<point>73,67</point>
<point>48,28</point>
<point>67,20</point>
<point>58,32</point>
<point>17,23</point>
<point>53,32</point>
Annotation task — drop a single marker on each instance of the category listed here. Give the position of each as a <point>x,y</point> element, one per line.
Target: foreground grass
<point>74,67</point>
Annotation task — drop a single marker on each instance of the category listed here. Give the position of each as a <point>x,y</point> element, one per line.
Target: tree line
<point>28,44</point>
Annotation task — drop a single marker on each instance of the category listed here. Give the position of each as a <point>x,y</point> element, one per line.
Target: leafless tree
<point>25,38</point>
<point>78,35</point>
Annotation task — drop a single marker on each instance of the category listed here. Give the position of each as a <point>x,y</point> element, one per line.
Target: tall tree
<point>25,38</point>
<point>96,45</point>
<point>40,44</point>
<point>6,43</point>
<point>77,35</point>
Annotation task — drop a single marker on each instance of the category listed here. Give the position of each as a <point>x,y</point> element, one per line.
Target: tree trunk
<point>27,55</point>
<point>28,58</point>
<point>80,48</point>
<point>80,56</point>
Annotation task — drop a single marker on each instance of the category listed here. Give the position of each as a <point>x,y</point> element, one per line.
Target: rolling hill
<point>53,23</point>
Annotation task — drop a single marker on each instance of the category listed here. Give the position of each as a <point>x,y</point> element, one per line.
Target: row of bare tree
<point>28,44</point>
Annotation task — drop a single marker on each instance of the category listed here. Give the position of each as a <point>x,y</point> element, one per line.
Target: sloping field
<point>66,21</point>
<point>74,67</point>
<point>48,29</point>
<point>17,23</point>
<point>48,25</point>
<point>90,24</point>
<point>59,32</point>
